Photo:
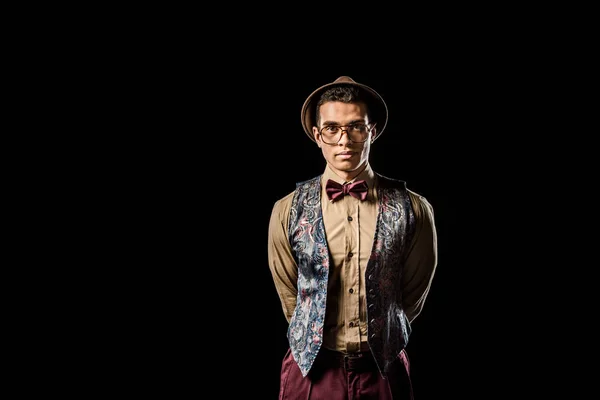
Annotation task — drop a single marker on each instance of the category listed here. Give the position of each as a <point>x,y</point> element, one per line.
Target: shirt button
<point>351,324</point>
<point>350,254</point>
<point>351,290</point>
<point>349,218</point>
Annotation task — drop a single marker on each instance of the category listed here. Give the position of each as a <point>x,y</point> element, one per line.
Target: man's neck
<point>349,175</point>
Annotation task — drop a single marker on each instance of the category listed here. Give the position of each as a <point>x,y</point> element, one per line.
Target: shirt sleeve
<point>422,258</point>
<point>284,269</point>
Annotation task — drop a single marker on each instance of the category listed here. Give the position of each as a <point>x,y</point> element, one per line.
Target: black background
<point>213,140</point>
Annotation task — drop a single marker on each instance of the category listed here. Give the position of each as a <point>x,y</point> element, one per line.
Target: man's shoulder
<point>421,206</point>
<point>285,199</point>
<point>387,182</point>
<point>310,181</point>
<point>283,204</point>
<point>419,201</point>
<point>297,185</point>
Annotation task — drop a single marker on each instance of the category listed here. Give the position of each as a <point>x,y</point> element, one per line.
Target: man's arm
<point>422,259</point>
<point>281,261</point>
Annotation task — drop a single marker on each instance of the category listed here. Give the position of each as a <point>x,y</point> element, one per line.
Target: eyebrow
<point>349,123</point>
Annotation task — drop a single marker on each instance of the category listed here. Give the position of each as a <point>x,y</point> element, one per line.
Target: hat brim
<point>377,108</point>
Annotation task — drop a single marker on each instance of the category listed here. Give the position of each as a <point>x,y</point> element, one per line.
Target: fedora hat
<point>377,108</point>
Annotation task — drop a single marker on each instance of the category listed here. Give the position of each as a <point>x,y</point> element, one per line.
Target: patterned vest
<point>388,327</point>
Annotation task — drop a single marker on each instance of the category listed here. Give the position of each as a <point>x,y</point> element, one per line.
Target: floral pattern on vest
<point>388,327</point>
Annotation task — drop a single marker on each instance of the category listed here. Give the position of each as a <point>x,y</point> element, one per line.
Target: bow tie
<point>335,191</point>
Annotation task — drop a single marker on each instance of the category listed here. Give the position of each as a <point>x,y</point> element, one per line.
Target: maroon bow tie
<point>335,191</point>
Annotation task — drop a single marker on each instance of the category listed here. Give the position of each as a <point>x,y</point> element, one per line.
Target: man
<point>352,254</point>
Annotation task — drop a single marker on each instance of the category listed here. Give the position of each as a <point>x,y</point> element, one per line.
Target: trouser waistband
<point>361,361</point>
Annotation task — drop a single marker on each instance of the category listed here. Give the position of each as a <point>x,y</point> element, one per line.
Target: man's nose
<point>345,137</point>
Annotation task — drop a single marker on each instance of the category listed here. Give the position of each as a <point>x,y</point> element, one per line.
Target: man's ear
<point>315,132</point>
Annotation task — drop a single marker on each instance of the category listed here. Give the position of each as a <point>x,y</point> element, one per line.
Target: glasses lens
<point>332,134</point>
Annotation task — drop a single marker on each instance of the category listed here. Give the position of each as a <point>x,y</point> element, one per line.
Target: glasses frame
<point>344,128</point>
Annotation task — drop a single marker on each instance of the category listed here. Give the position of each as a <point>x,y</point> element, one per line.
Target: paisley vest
<point>388,326</point>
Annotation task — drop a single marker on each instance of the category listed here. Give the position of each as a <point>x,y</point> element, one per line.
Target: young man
<point>352,254</point>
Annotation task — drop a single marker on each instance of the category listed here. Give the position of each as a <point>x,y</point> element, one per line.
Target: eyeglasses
<point>358,132</point>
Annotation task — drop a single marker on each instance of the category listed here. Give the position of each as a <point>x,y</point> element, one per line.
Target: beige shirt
<point>350,228</point>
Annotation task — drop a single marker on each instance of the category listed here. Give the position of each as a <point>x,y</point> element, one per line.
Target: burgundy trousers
<point>333,378</point>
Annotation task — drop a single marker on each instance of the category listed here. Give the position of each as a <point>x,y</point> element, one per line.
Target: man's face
<point>346,157</point>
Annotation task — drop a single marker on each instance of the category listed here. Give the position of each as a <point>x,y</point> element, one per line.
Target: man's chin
<point>345,165</point>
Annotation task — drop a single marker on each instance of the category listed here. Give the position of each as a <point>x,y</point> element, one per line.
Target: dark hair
<point>345,94</point>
